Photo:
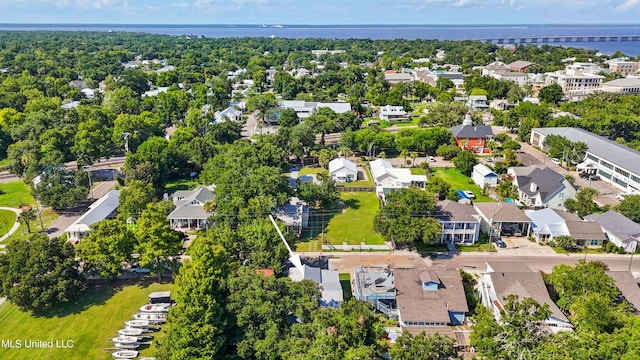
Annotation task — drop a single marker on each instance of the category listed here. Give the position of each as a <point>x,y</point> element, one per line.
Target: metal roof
<point>471,131</point>
<point>618,154</point>
<point>98,211</point>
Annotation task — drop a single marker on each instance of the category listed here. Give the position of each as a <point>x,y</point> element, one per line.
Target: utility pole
<point>87,168</point>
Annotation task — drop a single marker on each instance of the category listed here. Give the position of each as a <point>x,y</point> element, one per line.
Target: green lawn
<point>181,184</point>
<point>48,217</point>
<point>90,323</point>
<point>460,181</point>
<point>7,219</point>
<point>355,224</point>
<point>345,281</point>
<point>418,171</point>
<point>13,194</point>
<point>310,171</point>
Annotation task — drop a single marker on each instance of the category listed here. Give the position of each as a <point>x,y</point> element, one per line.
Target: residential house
<point>520,65</point>
<point>541,187</point>
<point>495,286</point>
<point>156,91</point>
<point>343,170</point>
<point>78,84</point>
<point>478,102</point>
<point>460,222</point>
<point>430,297</point>
<point>376,285</point>
<point>387,178</point>
<point>304,109</point>
<point>492,68</point>
<point>472,137</point>
<point>619,229</point>
<point>228,114</point>
<point>189,212</point>
<point>484,177</point>
<point>617,164</point>
<point>519,78</point>
<point>628,286</point>
<point>294,214</point>
<point>389,112</point>
<point>103,208</point>
<point>547,224</point>
<point>501,218</point>
<point>328,282</point>
<point>502,104</point>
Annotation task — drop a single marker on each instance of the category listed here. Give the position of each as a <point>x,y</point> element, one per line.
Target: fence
<point>356,189</point>
<point>363,247</point>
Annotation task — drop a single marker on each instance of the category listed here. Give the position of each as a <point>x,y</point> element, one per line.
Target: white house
<point>514,278</point>
<point>547,224</point>
<point>189,212</point>
<point>304,109</point>
<point>343,170</point>
<point>294,214</point>
<point>101,209</point>
<point>460,222</point>
<point>387,178</point>
<point>483,176</point>
<point>619,229</point>
<point>389,112</point>
<point>228,114</point>
<point>328,281</point>
<point>541,187</point>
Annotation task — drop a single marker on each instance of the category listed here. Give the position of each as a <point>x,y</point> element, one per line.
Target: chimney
<point>533,187</point>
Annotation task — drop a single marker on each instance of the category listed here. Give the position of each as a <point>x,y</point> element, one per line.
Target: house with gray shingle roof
<point>460,222</point>
<point>189,212</point>
<point>472,137</point>
<point>494,286</point>
<point>541,187</point>
<point>628,286</point>
<point>619,229</point>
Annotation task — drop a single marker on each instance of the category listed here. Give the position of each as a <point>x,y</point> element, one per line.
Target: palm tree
<point>26,216</point>
<point>404,153</point>
<point>413,155</point>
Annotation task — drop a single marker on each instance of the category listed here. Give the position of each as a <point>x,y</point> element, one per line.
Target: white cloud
<point>628,5</point>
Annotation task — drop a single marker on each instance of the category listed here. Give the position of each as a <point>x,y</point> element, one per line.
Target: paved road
<point>61,223</point>
<point>253,127</point>
<point>15,226</point>
<point>103,163</point>
<point>472,262</point>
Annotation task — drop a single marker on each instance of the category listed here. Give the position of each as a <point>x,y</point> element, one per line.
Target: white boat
<point>137,323</point>
<point>125,354</point>
<point>155,308</point>
<point>152,318</point>
<point>130,332</point>
<point>134,345</point>
<point>125,339</point>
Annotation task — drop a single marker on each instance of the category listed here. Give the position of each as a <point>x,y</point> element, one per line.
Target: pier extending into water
<point>562,39</point>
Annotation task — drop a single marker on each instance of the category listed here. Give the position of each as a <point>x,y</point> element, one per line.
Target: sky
<point>321,12</point>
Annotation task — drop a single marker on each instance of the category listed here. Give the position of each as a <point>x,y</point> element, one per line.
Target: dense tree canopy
<point>39,273</point>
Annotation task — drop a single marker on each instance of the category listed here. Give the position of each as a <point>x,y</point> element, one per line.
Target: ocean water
<point>410,32</point>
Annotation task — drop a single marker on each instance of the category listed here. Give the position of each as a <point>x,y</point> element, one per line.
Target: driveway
<point>15,226</point>
<point>521,246</point>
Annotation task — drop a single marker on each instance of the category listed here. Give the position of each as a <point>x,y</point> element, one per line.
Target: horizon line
<point>345,24</point>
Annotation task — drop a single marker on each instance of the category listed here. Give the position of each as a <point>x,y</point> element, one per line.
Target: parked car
<point>489,159</point>
<point>621,196</point>
<point>555,161</point>
<point>431,159</point>
<point>500,243</point>
<point>594,177</point>
<point>469,194</point>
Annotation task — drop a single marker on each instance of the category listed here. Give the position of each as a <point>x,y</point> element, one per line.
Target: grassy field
<point>7,219</point>
<point>90,323</point>
<point>13,194</point>
<point>355,224</point>
<point>459,181</point>
<point>310,171</point>
<point>418,171</point>
<point>48,217</point>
